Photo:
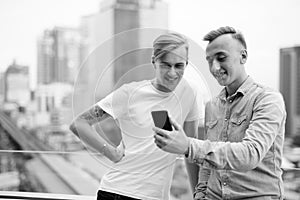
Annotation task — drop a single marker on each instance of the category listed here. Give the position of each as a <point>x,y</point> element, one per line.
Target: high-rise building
<point>58,55</point>
<point>290,87</point>
<point>17,88</point>
<point>2,87</point>
<point>117,46</point>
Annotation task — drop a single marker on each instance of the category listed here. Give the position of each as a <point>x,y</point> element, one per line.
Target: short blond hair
<point>165,43</point>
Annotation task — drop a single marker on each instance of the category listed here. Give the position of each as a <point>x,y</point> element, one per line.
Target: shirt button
<point>230,101</point>
<point>225,119</point>
<point>224,183</point>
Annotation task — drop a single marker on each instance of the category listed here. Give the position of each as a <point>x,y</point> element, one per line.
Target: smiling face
<point>226,58</point>
<point>169,69</point>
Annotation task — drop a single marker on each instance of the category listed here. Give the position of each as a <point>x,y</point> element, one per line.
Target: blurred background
<point>58,57</point>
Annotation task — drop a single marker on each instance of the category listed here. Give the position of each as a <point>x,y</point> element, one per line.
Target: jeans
<point>103,195</point>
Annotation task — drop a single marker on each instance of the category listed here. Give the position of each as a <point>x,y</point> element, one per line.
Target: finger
<point>159,140</point>
<point>158,144</point>
<point>175,124</point>
<point>161,132</point>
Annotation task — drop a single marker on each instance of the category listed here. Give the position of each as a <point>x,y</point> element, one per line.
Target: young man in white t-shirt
<point>141,170</point>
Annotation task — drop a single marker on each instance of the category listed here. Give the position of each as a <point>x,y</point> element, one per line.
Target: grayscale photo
<point>150,100</point>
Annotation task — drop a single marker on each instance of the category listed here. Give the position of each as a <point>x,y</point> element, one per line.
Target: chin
<point>222,82</point>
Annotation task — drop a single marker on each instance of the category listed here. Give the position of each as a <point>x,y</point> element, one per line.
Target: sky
<point>268,25</point>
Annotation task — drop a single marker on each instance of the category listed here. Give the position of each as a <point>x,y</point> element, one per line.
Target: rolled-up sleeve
<point>266,123</point>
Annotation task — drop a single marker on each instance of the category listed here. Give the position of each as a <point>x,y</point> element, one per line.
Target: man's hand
<point>172,141</point>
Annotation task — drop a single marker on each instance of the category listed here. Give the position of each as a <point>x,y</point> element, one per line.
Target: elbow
<point>245,157</point>
<point>74,127</point>
<point>247,164</point>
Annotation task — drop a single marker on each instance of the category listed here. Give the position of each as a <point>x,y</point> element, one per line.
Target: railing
<point>49,169</point>
<point>65,171</point>
<point>42,196</point>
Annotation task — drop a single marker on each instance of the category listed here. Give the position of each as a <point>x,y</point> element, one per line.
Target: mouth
<point>220,75</point>
<point>171,79</point>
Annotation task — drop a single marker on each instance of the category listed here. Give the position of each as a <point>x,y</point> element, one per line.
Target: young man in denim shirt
<point>244,128</point>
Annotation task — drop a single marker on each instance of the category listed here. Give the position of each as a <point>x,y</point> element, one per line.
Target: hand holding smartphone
<point>161,119</point>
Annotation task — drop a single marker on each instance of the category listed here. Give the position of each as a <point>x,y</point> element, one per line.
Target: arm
<point>266,123</point>
<point>82,128</point>
<point>190,129</point>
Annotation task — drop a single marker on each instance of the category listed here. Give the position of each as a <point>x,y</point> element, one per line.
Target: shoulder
<point>269,96</point>
<point>264,91</point>
<point>135,84</point>
<point>127,87</point>
<point>189,87</point>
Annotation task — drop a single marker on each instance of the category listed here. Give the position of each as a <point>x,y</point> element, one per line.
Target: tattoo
<point>98,111</point>
<point>93,115</point>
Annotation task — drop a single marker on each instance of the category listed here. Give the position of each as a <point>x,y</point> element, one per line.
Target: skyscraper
<point>117,45</point>
<point>290,87</point>
<point>2,87</point>
<point>58,55</point>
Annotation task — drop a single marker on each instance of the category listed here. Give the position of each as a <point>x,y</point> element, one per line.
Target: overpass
<point>48,170</point>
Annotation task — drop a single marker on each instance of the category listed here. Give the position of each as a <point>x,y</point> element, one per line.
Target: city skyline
<point>267,25</point>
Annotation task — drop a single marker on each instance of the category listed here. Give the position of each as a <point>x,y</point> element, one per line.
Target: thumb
<point>174,124</point>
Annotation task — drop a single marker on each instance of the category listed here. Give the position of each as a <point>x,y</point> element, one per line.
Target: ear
<point>152,61</point>
<point>244,56</point>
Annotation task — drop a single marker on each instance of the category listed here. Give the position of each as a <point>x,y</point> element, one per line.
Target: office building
<point>290,87</point>
<point>117,43</point>
<point>2,87</point>
<point>58,55</point>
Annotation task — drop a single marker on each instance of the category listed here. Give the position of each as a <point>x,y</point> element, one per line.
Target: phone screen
<point>161,119</point>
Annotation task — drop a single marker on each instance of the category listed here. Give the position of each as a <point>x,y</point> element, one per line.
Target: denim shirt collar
<point>242,90</point>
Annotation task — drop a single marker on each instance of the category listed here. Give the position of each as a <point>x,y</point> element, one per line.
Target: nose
<point>172,71</point>
<point>215,66</point>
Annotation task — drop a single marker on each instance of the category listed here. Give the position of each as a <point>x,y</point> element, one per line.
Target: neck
<point>233,87</point>
<point>160,87</point>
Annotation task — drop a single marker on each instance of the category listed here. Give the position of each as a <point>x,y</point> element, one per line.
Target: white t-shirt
<point>145,172</point>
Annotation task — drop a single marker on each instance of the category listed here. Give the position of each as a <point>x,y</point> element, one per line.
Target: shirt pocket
<point>237,121</point>
<point>238,126</point>
<point>211,124</point>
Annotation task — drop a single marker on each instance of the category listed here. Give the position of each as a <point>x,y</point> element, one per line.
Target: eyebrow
<point>178,63</point>
<point>216,54</point>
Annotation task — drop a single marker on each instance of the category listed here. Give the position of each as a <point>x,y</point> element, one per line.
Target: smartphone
<point>161,119</point>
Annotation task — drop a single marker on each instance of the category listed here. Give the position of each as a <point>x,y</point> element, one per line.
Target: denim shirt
<point>242,155</point>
